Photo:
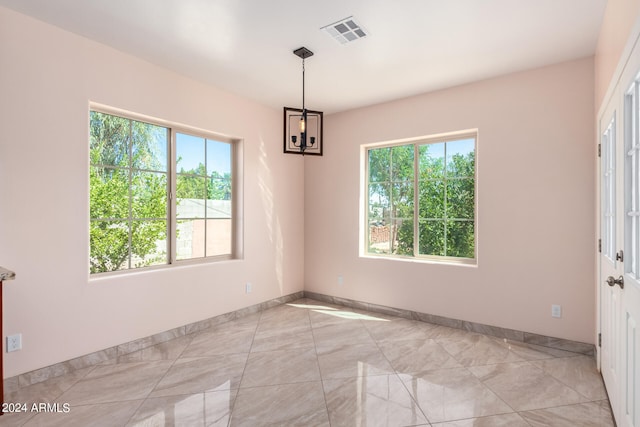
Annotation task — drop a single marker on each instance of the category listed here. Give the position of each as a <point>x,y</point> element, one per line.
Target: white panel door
<point>630,393</point>
<point>629,345</point>
<point>619,280</point>
<point>611,237</point>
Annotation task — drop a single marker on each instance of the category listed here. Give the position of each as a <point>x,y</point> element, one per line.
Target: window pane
<point>190,239</point>
<point>120,197</point>
<point>431,235</point>
<point>608,186</point>
<point>461,158</point>
<point>431,199</point>
<point>380,236</point>
<point>109,246</point>
<point>219,173</point>
<point>431,162</point>
<point>109,193</point>
<point>402,200</point>
<point>460,198</point>
<point>218,159</point>
<point>149,194</point>
<point>218,236</point>
<point>109,140</point>
<point>191,187</point>
<point>204,190</point>
<point>402,238</point>
<point>379,164</point>
<point>402,163</point>
<point>191,194</point>
<point>218,209</point>
<point>379,203</point>
<point>190,154</point>
<point>460,239</point>
<point>148,243</point>
<point>148,146</point>
<point>219,188</point>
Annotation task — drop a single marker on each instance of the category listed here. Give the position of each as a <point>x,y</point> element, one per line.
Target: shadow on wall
<point>272,222</point>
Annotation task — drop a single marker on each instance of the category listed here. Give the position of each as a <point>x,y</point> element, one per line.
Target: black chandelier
<point>302,127</point>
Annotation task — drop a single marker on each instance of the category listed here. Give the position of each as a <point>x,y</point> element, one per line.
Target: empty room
<point>342,213</point>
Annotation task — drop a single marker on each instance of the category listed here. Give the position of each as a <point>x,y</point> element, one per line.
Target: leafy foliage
<point>195,184</point>
<point>446,199</point>
<point>128,193</point>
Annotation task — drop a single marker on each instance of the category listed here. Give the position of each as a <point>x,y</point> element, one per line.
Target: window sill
<point>97,277</point>
<point>462,262</point>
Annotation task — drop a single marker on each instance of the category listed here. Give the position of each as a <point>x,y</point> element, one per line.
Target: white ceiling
<point>413,46</point>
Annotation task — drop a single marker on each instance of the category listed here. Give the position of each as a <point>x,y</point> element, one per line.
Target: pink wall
<point>47,79</point>
<point>617,24</point>
<point>535,197</point>
<point>536,187</point>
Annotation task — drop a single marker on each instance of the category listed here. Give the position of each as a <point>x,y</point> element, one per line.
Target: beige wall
<point>536,185</point>
<point>47,79</point>
<point>619,20</point>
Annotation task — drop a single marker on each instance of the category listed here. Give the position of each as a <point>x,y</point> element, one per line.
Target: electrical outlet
<point>556,311</point>
<point>340,280</point>
<point>247,288</point>
<point>14,342</point>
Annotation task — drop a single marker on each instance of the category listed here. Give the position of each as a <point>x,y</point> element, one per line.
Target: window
<point>632,179</point>
<point>135,169</point>
<point>608,225</point>
<point>203,197</point>
<point>421,199</point>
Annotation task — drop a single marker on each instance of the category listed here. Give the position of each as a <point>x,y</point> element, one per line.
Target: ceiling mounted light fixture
<point>302,127</point>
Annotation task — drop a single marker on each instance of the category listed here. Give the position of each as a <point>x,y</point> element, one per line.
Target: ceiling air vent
<point>345,31</point>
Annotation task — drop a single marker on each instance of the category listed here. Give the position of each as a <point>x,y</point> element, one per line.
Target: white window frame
<point>416,142</point>
<point>236,243</point>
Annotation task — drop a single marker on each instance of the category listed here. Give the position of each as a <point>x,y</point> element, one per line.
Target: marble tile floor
<point>309,363</point>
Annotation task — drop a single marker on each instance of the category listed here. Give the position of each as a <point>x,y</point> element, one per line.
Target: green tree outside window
<point>443,176</point>
<point>128,193</point>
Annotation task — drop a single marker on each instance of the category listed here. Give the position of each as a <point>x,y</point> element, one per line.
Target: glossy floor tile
<point>453,394</point>
<point>308,363</point>
<point>379,400</point>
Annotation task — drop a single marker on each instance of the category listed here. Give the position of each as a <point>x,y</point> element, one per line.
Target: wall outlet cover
<point>14,342</point>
